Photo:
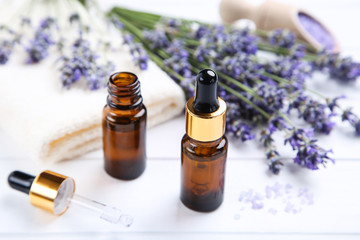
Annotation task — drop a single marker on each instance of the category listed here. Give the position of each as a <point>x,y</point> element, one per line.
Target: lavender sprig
<point>38,48</point>
<point>309,153</point>
<point>83,63</point>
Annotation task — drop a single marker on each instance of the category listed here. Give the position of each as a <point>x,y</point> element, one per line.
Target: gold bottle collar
<point>205,127</point>
<point>45,189</point>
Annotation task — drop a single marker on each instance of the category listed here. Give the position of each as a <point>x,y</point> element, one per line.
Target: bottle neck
<point>124,91</point>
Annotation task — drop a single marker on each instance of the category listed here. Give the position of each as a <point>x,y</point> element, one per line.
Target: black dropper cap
<point>206,99</point>
<point>21,181</point>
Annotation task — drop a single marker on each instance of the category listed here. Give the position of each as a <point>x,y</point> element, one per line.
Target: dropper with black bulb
<point>204,146</point>
<point>54,193</point>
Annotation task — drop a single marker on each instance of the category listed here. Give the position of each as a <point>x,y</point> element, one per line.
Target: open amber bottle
<point>204,147</point>
<point>124,127</point>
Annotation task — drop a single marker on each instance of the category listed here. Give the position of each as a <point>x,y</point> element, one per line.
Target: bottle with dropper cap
<point>204,147</point>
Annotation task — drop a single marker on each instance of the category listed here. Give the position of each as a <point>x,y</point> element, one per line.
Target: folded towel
<point>55,124</point>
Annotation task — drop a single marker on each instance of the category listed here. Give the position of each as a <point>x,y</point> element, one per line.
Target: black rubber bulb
<point>21,181</point>
<point>206,99</point>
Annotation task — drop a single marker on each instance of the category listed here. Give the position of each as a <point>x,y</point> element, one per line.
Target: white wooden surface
<point>153,199</point>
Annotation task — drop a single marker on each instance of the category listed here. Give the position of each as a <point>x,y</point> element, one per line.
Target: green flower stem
<point>154,17</point>
<point>159,61</point>
<point>235,93</point>
<point>163,55</point>
<point>136,20</point>
<point>149,20</point>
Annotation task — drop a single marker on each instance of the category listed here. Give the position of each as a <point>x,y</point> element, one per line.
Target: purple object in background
<point>317,31</point>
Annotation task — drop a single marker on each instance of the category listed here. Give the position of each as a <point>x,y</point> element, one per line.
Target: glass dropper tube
<point>105,212</point>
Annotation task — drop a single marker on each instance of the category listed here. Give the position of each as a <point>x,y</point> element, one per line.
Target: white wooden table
<point>153,199</point>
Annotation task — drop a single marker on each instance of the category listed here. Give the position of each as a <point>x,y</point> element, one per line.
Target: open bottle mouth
<point>123,79</point>
<point>124,91</point>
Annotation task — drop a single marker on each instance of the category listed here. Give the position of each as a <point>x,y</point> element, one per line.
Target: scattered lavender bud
<point>272,211</point>
<point>275,198</point>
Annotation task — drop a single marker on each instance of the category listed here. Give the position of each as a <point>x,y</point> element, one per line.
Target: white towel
<point>55,124</point>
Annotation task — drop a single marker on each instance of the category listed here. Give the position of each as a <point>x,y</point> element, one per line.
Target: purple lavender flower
<point>311,156</point>
<point>202,53</point>
<point>343,69</point>
<point>240,67</point>
<point>178,61</point>
<point>274,162</point>
<point>357,127</point>
<point>354,120</point>
<point>229,42</point>
<point>6,48</point>
<point>299,137</point>
<point>201,31</point>
<point>176,49</point>
<point>157,39</point>
<point>308,154</point>
<point>239,41</point>
<point>272,156</point>
<point>83,64</point>
<point>138,53</point>
<point>332,103</point>
<point>39,46</point>
<point>282,38</point>
<point>276,123</point>
<point>313,113</point>
<point>273,97</point>
<point>296,71</point>
<point>187,86</point>
<point>298,51</point>
<point>239,130</point>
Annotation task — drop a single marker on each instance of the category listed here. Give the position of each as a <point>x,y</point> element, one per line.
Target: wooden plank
<point>153,200</point>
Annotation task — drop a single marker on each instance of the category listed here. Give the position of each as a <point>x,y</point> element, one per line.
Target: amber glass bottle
<point>124,127</point>
<point>204,147</point>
